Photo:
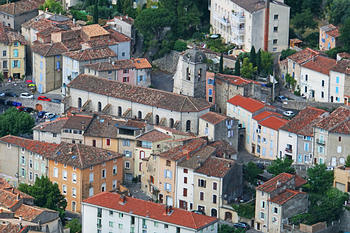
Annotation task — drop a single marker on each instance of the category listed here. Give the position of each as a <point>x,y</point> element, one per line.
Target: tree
<point>52,6</point>
<point>347,162</point>
<point>286,53</point>
<point>251,172</point>
<point>46,194</point>
<point>266,63</point>
<point>228,229</point>
<point>345,33</point>
<point>180,45</point>
<point>290,81</point>
<point>221,64</point>
<point>247,70</point>
<point>338,11</point>
<point>15,123</point>
<point>258,61</point>
<point>95,12</point>
<point>74,226</point>
<point>237,67</point>
<point>303,20</point>
<point>320,179</point>
<point>252,56</point>
<point>246,210</point>
<point>279,166</point>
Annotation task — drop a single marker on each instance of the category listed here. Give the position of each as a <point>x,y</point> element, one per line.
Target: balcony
<point>289,150</point>
<point>238,41</point>
<point>222,19</point>
<point>238,17</point>
<point>99,225</point>
<point>320,142</point>
<point>240,31</point>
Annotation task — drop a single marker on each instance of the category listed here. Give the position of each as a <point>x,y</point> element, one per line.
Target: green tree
<point>52,6</point>
<point>320,179</point>
<point>180,45</point>
<point>252,56</point>
<point>221,64</point>
<point>251,172</point>
<point>286,53</point>
<point>228,229</point>
<point>258,61</point>
<point>266,63</point>
<point>46,194</point>
<point>279,166</point>
<point>247,70</point>
<point>238,67</point>
<point>338,11</point>
<point>290,81</point>
<point>345,33</point>
<point>347,162</point>
<point>15,123</point>
<point>303,20</point>
<point>245,210</point>
<point>74,226</point>
<point>95,12</point>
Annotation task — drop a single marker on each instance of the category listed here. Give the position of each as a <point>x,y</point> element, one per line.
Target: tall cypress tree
<point>252,56</point>
<point>95,15</point>
<point>237,67</point>
<point>221,64</point>
<point>258,61</point>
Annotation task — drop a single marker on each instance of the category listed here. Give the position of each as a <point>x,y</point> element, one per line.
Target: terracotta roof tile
<point>82,156</point>
<point>182,151</point>
<point>284,197</point>
<point>91,54</point>
<point>337,122</point>
<point>138,63</point>
<point>213,117</point>
<point>11,228</point>
<point>20,7</point>
<point>119,37</point>
<point>142,63</point>
<point>48,50</point>
<point>42,148</point>
<point>217,167</point>
<point>263,115</point>
<point>9,36</point>
<point>271,185</point>
<point>331,30</point>
<point>342,66</point>
<point>273,122</point>
<point>29,213</point>
<point>54,126</point>
<point>248,104</point>
<point>303,56</point>
<point>320,64</point>
<point>153,136</point>
<point>235,80</point>
<point>151,210</point>
<point>198,158</point>
<point>142,95</point>
<point>303,122</point>
<point>223,149</point>
<point>94,30</point>
<point>7,187</point>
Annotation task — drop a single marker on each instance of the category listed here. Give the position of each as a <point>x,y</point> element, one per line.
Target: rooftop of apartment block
<point>249,104</point>
<point>279,180</point>
<point>303,55</point>
<point>337,121</point>
<point>21,7</point>
<point>214,118</point>
<point>321,64</point>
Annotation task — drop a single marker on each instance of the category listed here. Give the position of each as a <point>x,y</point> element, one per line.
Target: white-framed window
<point>74,192</point>
<point>64,174</point>
<point>23,160</point>
<point>126,142</point>
<point>339,149</point>
<point>55,172</point>
<point>127,165</point>
<point>64,189</point>
<point>103,187</point>
<point>275,210</point>
<point>91,191</point>
<point>262,215</point>
<point>115,169</point>
<point>91,177</point>
<point>30,175</point>
<point>30,163</point>
<point>114,184</point>
<point>263,204</point>
<point>8,146</point>
<point>103,173</point>
<point>74,177</point>
<point>110,224</point>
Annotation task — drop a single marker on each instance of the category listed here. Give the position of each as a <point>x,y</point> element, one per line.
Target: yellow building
<point>342,178</point>
<point>12,49</point>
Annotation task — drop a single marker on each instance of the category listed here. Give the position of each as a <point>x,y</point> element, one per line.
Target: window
<point>185,180</point>
<point>30,175</point>
<point>275,17</point>
<point>322,83</point>
<point>139,114</point>
<point>339,149</point>
<point>275,210</point>
<point>185,170</point>
<point>125,79</point>
<point>215,186</point>
<point>274,41</point>
<point>4,64</point>
<point>275,29</point>
<point>114,169</point>
<point>74,178</point>
<point>74,206</point>
<point>188,73</point>
<point>184,193</point>
<point>201,196</point>
<point>214,199</point>
<point>263,204</point>
<point>306,146</point>
<point>91,191</point>
<point>336,90</point>
<point>339,139</point>
<point>99,212</point>
<point>4,54</point>
<point>110,224</point>
<point>30,163</point>
<point>168,174</point>
<point>108,141</point>
<point>114,184</point>
<point>99,107</point>
<point>23,160</point>
<point>94,143</point>
<point>322,94</point>
<point>337,79</point>
<point>210,91</point>
<point>91,177</point>
<point>126,142</point>
<point>166,226</point>
<point>168,163</point>
<point>127,165</point>
<point>64,174</point>
<point>103,187</point>
<point>188,125</point>
<point>15,53</point>
<point>120,112</point>
<point>55,172</point>
<point>167,187</point>
<point>123,54</point>
<point>64,189</point>
<point>23,172</point>
<point>103,171</point>
<point>15,44</point>
<point>201,183</point>
<point>74,192</point>
<point>171,123</point>
<point>262,215</point>
<point>157,120</point>
<point>79,102</point>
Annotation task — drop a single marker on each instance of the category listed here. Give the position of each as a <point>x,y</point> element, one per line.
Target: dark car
<point>41,114</point>
<point>44,98</point>
<point>11,94</point>
<point>16,104</point>
<point>198,212</point>
<point>58,101</point>
<point>241,225</point>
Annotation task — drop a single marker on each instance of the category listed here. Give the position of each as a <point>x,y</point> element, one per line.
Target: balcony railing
<point>223,20</point>
<point>99,225</point>
<point>238,30</point>
<point>289,150</point>
<point>321,142</point>
<point>238,17</point>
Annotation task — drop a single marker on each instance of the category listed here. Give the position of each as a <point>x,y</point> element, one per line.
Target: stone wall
<point>56,108</point>
<point>168,63</point>
<point>299,105</point>
<point>345,221</point>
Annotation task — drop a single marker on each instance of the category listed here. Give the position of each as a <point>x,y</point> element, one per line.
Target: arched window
<point>188,73</point>
<point>79,102</point>
<point>199,74</point>
<point>120,112</point>
<point>214,213</point>
<point>139,115</point>
<point>99,106</point>
<point>171,123</point>
<point>188,125</point>
<point>157,120</point>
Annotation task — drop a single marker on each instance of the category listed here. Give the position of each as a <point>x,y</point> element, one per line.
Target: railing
<point>321,142</point>
<point>238,17</point>
<point>222,20</point>
<point>289,150</point>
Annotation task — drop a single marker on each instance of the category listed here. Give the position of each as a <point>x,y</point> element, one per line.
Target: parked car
<point>26,95</point>
<point>41,114</point>
<point>11,94</point>
<point>44,98</point>
<point>288,113</point>
<point>282,98</point>
<point>16,104</point>
<point>49,115</point>
<point>58,101</point>
<point>2,94</point>
<point>241,225</point>
<point>198,212</point>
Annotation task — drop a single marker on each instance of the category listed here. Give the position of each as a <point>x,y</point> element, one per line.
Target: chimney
<point>18,196</point>
<point>278,184</point>
<point>70,150</point>
<point>122,199</point>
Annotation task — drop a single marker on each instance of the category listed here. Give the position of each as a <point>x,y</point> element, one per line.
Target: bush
<point>245,210</point>
<point>180,45</point>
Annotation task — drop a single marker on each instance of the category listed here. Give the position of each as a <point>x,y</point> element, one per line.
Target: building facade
<point>329,37</point>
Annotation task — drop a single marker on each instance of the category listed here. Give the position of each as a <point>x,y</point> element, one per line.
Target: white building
<point>247,23</point>
<point>339,83</point>
<point>314,80</point>
<point>120,99</point>
<point>112,212</point>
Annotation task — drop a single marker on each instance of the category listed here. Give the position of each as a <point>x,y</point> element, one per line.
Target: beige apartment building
<point>342,178</point>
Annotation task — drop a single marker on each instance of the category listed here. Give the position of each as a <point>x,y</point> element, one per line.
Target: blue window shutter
<point>13,64</point>
<point>164,186</point>
<point>19,64</point>
<point>170,187</point>
<point>164,173</point>
<point>171,174</point>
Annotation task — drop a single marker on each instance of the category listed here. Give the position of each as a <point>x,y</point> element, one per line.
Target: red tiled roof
<point>248,104</point>
<point>142,95</point>
<point>51,49</point>
<point>21,7</point>
<point>337,121</point>
<point>287,195</point>
<point>94,30</point>
<point>11,228</point>
<point>213,117</point>
<point>54,126</point>
<point>217,167</point>
<point>181,151</point>
<point>29,213</point>
<point>151,210</point>
<point>7,187</point>
<point>303,122</point>
<point>90,54</point>
<point>320,64</point>
<point>273,122</point>
<point>9,36</point>
<point>42,148</point>
<point>137,63</point>
<point>342,66</point>
<point>331,30</point>
<point>303,55</point>
<point>271,185</point>
<point>265,114</point>
<point>119,37</point>
<point>235,80</point>
<point>153,136</point>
